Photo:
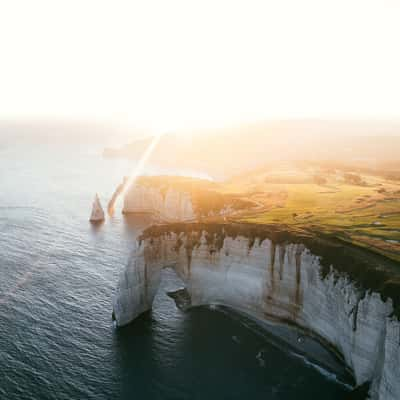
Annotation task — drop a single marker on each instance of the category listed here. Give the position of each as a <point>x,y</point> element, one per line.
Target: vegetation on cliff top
<point>358,207</point>
<point>353,205</point>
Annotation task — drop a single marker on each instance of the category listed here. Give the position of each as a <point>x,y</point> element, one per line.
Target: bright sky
<point>169,64</point>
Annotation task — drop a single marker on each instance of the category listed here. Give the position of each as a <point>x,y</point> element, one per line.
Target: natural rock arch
<point>267,278</point>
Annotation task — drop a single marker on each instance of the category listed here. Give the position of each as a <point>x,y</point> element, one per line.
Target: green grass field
<point>365,214</point>
<point>357,214</point>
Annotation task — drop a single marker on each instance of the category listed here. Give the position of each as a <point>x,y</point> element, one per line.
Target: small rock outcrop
<point>97,214</point>
<point>182,298</point>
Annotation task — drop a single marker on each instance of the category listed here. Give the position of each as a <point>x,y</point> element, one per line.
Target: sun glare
<point>138,170</point>
<point>142,162</point>
<point>179,63</point>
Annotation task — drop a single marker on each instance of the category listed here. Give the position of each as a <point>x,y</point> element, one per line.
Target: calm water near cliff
<point>58,276</point>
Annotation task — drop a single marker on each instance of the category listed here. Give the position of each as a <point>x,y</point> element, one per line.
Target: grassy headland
<point>352,206</point>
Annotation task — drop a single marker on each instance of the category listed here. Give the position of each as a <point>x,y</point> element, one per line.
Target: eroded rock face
<point>182,298</point>
<point>273,280</point>
<point>171,205</point>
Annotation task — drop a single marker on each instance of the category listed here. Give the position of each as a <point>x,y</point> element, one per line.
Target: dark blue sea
<point>57,279</point>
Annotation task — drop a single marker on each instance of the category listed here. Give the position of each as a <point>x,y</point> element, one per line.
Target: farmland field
<point>360,208</point>
<point>366,214</point>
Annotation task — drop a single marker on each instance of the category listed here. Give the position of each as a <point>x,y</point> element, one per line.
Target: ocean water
<point>57,279</point>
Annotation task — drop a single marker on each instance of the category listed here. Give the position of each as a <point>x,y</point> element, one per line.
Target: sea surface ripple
<point>58,276</point>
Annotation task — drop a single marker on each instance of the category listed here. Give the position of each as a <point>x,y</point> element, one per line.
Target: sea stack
<point>97,211</point>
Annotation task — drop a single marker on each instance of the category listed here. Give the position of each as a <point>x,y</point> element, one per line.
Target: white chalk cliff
<point>272,280</point>
<point>171,205</point>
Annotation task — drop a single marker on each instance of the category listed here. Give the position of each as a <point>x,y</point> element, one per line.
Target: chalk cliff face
<point>272,280</point>
<point>171,205</point>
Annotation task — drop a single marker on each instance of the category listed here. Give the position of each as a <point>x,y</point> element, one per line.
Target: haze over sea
<point>58,276</point>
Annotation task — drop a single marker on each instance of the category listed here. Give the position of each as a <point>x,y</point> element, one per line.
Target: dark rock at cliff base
<point>182,298</point>
<point>359,393</point>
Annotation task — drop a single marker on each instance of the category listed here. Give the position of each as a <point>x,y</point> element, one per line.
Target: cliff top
<point>356,205</point>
